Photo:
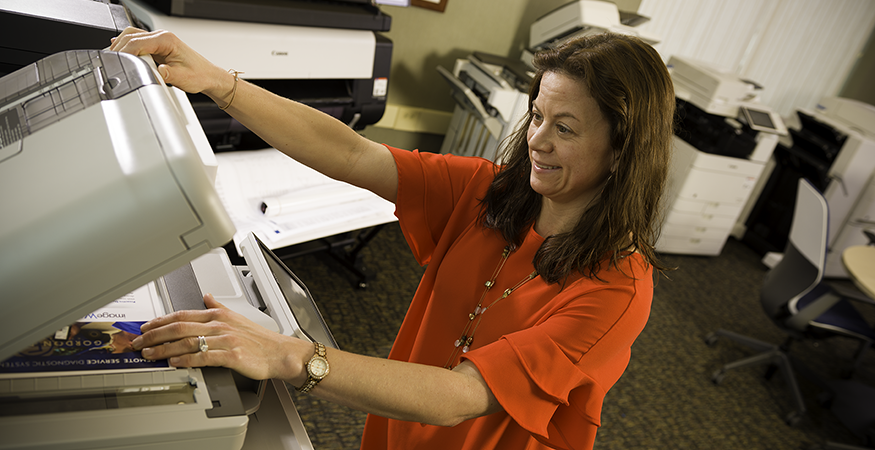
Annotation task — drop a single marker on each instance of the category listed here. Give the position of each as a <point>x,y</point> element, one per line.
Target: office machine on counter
<point>108,198</point>
<point>724,140</point>
<point>582,18</point>
<point>491,91</point>
<point>833,147</point>
<point>491,94</point>
<point>328,55</point>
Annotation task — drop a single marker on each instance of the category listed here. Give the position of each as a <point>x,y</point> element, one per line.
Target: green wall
<point>860,84</point>
<point>423,39</point>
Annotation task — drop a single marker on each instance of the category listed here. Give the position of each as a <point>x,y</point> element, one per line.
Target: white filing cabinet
<point>705,195</point>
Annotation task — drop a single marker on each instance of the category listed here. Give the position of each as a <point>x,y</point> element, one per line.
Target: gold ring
<point>202,344</point>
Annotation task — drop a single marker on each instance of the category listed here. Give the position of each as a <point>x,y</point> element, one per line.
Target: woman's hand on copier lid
<point>177,63</point>
<point>232,341</point>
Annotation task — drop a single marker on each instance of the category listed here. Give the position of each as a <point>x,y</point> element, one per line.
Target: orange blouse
<point>548,354</point>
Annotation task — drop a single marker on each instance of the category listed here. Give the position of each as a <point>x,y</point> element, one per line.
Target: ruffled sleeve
<point>552,378</point>
<point>430,187</point>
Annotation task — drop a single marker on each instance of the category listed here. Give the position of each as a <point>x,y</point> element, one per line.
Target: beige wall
<point>860,84</point>
<point>423,39</point>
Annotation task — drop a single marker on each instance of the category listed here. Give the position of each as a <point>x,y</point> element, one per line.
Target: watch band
<point>317,368</point>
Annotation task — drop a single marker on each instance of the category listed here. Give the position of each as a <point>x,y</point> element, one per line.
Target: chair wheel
<point>711,339</point>
<point>793,418</point>
<point>717,376</point>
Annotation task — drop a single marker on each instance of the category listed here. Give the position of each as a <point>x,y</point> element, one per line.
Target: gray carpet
<point>664,400</point>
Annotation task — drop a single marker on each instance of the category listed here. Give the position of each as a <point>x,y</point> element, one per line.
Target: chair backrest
<point>801,268</point>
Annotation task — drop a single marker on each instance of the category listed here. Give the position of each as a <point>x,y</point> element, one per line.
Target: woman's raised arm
<point>303,133</point>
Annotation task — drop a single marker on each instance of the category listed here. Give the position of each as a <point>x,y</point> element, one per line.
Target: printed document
<point>313,205</point>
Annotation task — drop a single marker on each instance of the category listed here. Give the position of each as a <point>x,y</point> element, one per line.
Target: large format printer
<point>724,139</point>
<point>833,146</point>
<point>30,31</point>
<point>491,91</point>
<point>328,55</point>
<point>107,191</point>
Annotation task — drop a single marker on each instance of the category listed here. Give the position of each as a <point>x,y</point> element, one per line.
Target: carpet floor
<point>666,398</point>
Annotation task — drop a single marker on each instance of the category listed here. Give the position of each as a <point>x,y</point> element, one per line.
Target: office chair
<point>799,302</point>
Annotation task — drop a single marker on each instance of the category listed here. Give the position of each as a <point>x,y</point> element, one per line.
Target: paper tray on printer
<point>97,398</point>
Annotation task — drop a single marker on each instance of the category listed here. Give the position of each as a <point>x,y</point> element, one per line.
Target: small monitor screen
<point>759,120</point>
<point>299,300</point>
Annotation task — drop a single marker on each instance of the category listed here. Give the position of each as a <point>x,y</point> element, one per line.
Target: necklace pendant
<point>471,316</point>
<point>468,342</point>
<point>489,284</point>
<point>478,310</point>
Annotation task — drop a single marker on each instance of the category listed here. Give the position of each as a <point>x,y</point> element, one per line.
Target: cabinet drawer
<point>717,163</point>
<point>718,187</point>
<point>697,232</point>
<point>726,164</point>
<point>690,246</point>
<point>699,220</point>
<point>707,207</point>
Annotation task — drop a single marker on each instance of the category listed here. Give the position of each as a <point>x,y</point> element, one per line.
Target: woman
<point>539,272</point>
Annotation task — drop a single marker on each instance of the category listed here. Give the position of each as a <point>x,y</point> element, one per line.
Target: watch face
<point>318,367</point>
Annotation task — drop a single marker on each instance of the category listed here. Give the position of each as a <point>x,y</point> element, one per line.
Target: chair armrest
<point>812,311</point>
<point>847,289</point>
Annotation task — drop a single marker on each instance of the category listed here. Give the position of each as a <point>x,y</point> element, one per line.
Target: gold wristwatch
<point>317,368</point>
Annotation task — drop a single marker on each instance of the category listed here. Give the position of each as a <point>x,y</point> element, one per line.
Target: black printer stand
<point>344,248</point>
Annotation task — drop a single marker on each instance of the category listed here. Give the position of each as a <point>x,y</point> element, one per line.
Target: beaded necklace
<point>463,344</point>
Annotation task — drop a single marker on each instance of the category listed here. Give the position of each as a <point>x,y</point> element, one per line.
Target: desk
<point>860,262</point>
<point>320,223</point>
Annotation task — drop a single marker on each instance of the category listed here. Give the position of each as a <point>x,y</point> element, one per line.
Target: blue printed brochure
<point>99,341</point>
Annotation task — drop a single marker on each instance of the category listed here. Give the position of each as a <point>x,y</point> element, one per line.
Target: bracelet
<point>233,90</point>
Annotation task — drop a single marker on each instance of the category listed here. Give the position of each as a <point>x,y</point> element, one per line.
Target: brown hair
<point>633,89</point>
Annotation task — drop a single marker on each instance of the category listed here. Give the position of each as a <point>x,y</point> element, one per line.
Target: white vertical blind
<point>798,50</point>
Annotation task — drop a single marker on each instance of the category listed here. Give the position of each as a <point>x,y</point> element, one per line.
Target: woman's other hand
<point>232,341</point>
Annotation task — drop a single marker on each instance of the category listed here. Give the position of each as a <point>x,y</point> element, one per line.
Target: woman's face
<point>569,143</point>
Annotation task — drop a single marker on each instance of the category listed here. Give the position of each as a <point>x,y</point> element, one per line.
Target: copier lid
<point>102,189</point>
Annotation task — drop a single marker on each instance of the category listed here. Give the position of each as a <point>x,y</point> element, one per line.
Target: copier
<point>107,192</point>
<point>491,94</point>
<point>833,147</point>
<point>327,54</point>
<point>491,91</point>
<point>723,142</point>
<point>582,18</point>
